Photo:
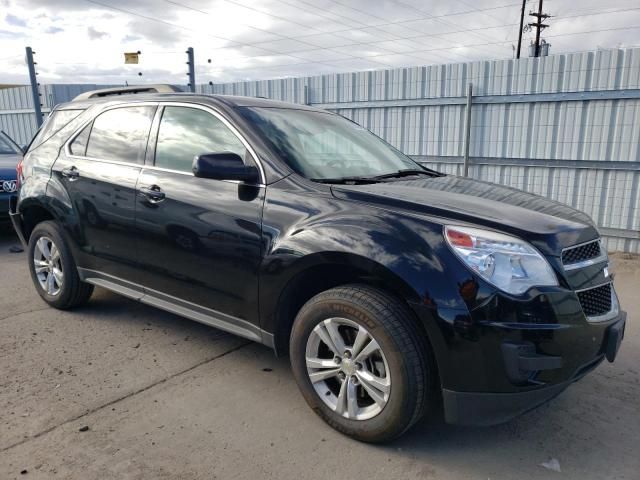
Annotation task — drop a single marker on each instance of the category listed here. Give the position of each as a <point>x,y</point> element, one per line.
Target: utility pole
<point>37,106</point>
<point>524,4</point>
<point>540,17</point>
<point>192,70</point>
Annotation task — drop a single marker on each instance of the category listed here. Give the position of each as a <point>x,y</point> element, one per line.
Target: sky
<point>84,41</point>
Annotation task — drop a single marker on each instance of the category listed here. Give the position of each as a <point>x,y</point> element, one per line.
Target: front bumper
<point>483,408</point>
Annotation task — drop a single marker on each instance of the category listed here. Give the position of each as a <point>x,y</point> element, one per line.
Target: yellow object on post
<point>131,57</point>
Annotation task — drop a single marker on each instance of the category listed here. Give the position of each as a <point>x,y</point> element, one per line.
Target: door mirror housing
<point>224,166</point>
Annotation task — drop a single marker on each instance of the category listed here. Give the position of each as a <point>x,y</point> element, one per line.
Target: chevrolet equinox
<point>396,291</point>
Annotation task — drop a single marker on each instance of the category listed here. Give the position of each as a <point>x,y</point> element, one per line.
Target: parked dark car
<point>393,288</point>
<point>10,156</point>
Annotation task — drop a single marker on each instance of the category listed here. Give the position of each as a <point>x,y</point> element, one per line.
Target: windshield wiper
<point>346,180</point>
<point>407,172</point>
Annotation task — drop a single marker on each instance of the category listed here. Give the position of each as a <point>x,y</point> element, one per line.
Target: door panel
<point>99,175</point>
<point>103,195</point>
<point>201,241</point>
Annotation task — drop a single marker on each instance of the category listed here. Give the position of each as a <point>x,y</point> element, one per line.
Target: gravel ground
<point>121,390</point>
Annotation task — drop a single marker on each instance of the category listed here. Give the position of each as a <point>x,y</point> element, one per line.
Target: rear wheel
<point>53,269</point>
<point>361,363</point>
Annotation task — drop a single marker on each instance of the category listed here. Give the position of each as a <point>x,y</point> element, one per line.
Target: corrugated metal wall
<point>566,126</point>
<point>16,107</point>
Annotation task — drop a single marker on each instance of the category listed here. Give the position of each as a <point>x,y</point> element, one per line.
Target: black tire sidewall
<point>51,230</point>
<point>397,414</point>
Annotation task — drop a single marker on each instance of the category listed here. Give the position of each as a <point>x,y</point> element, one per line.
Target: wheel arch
<point>320,272</point>
<point>34,212</point>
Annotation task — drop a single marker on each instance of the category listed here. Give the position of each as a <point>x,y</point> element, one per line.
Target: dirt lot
<point>164,397</point>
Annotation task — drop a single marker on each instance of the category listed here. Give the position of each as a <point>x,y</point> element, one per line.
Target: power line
<point>421,36</point>
<point>353,29</point>
<point>473,45</point>
<point>468,45</point>
<point>239,44</point>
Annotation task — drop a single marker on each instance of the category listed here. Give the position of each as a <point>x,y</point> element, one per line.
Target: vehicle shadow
<point>8,236</point>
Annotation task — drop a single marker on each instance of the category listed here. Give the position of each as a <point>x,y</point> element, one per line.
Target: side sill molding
<point>179,307</point>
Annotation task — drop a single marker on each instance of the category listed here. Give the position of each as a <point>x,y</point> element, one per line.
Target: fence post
<point>34,86</point>
<point>467,131</point>
<point>192,70</point>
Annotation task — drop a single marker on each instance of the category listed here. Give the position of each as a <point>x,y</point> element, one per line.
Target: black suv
<point>395,289</point>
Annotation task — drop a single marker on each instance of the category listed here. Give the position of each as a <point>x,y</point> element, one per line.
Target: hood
<point>548,224</point>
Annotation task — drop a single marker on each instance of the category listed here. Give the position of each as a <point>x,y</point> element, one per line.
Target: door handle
<point>152,194</point>
<point>71,173</point>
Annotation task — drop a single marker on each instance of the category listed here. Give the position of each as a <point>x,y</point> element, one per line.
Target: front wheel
<point>53,269</point>
<point>361,363</point>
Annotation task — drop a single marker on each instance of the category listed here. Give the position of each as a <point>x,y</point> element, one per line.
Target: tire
<point>66,291</point>
<point>402,366</point>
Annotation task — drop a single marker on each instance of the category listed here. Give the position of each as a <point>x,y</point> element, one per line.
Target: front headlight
<point>507,262</point>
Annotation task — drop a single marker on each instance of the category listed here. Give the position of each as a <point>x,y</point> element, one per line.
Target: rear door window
<point>121,134</point>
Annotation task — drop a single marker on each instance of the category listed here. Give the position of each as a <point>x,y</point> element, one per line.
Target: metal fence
<point>565,126</point>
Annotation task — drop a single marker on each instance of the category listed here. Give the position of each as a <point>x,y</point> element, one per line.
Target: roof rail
<point>107,92</point>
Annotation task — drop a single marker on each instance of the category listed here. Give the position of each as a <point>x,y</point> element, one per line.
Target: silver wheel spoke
<point>348,399</point>
<point>374,394</point>
<point>334,333</point>
<point>321,363</point>
<point>367,378</point>
<point>352,398</point>
<point>341,404</point>
<point>361,339</point>
<point>371,347</point>
<point>57,275</point>
<point>326,338</point>
<point>323,375</point>
<point>40,266</point>
<point>55,253</point>
<point>50,284</point>
<point>43,246</point>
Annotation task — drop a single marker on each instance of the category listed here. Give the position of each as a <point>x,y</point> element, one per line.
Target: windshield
<point>6,147</point>
<point>323,146</point>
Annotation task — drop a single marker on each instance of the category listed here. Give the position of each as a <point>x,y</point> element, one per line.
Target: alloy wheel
<point>348,369</point>
<point>47,264</point>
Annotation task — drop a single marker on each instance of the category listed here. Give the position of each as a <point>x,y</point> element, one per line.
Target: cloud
<point>271,39</point>
<point>11,35</point>
<point>131,38</point>
<point>15,21</point>
<point>95,34</point>
<point>160,34</point>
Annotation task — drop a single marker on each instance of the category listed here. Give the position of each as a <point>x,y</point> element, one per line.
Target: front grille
<point>8,186</point>
<point>581,253</point>
<point>596,301</point>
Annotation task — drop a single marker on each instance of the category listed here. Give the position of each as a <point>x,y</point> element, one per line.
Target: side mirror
<point>224,166</point>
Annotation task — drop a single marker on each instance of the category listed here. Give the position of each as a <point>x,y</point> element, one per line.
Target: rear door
<point>99,170</point>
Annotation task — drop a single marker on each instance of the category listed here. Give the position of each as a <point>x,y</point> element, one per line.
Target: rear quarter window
<point>56,121</point>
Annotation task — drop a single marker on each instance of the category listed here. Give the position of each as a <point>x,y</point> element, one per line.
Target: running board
<point>189,310</point>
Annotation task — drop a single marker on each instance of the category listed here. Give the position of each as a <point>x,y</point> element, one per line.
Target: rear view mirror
<point>224,166</point>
